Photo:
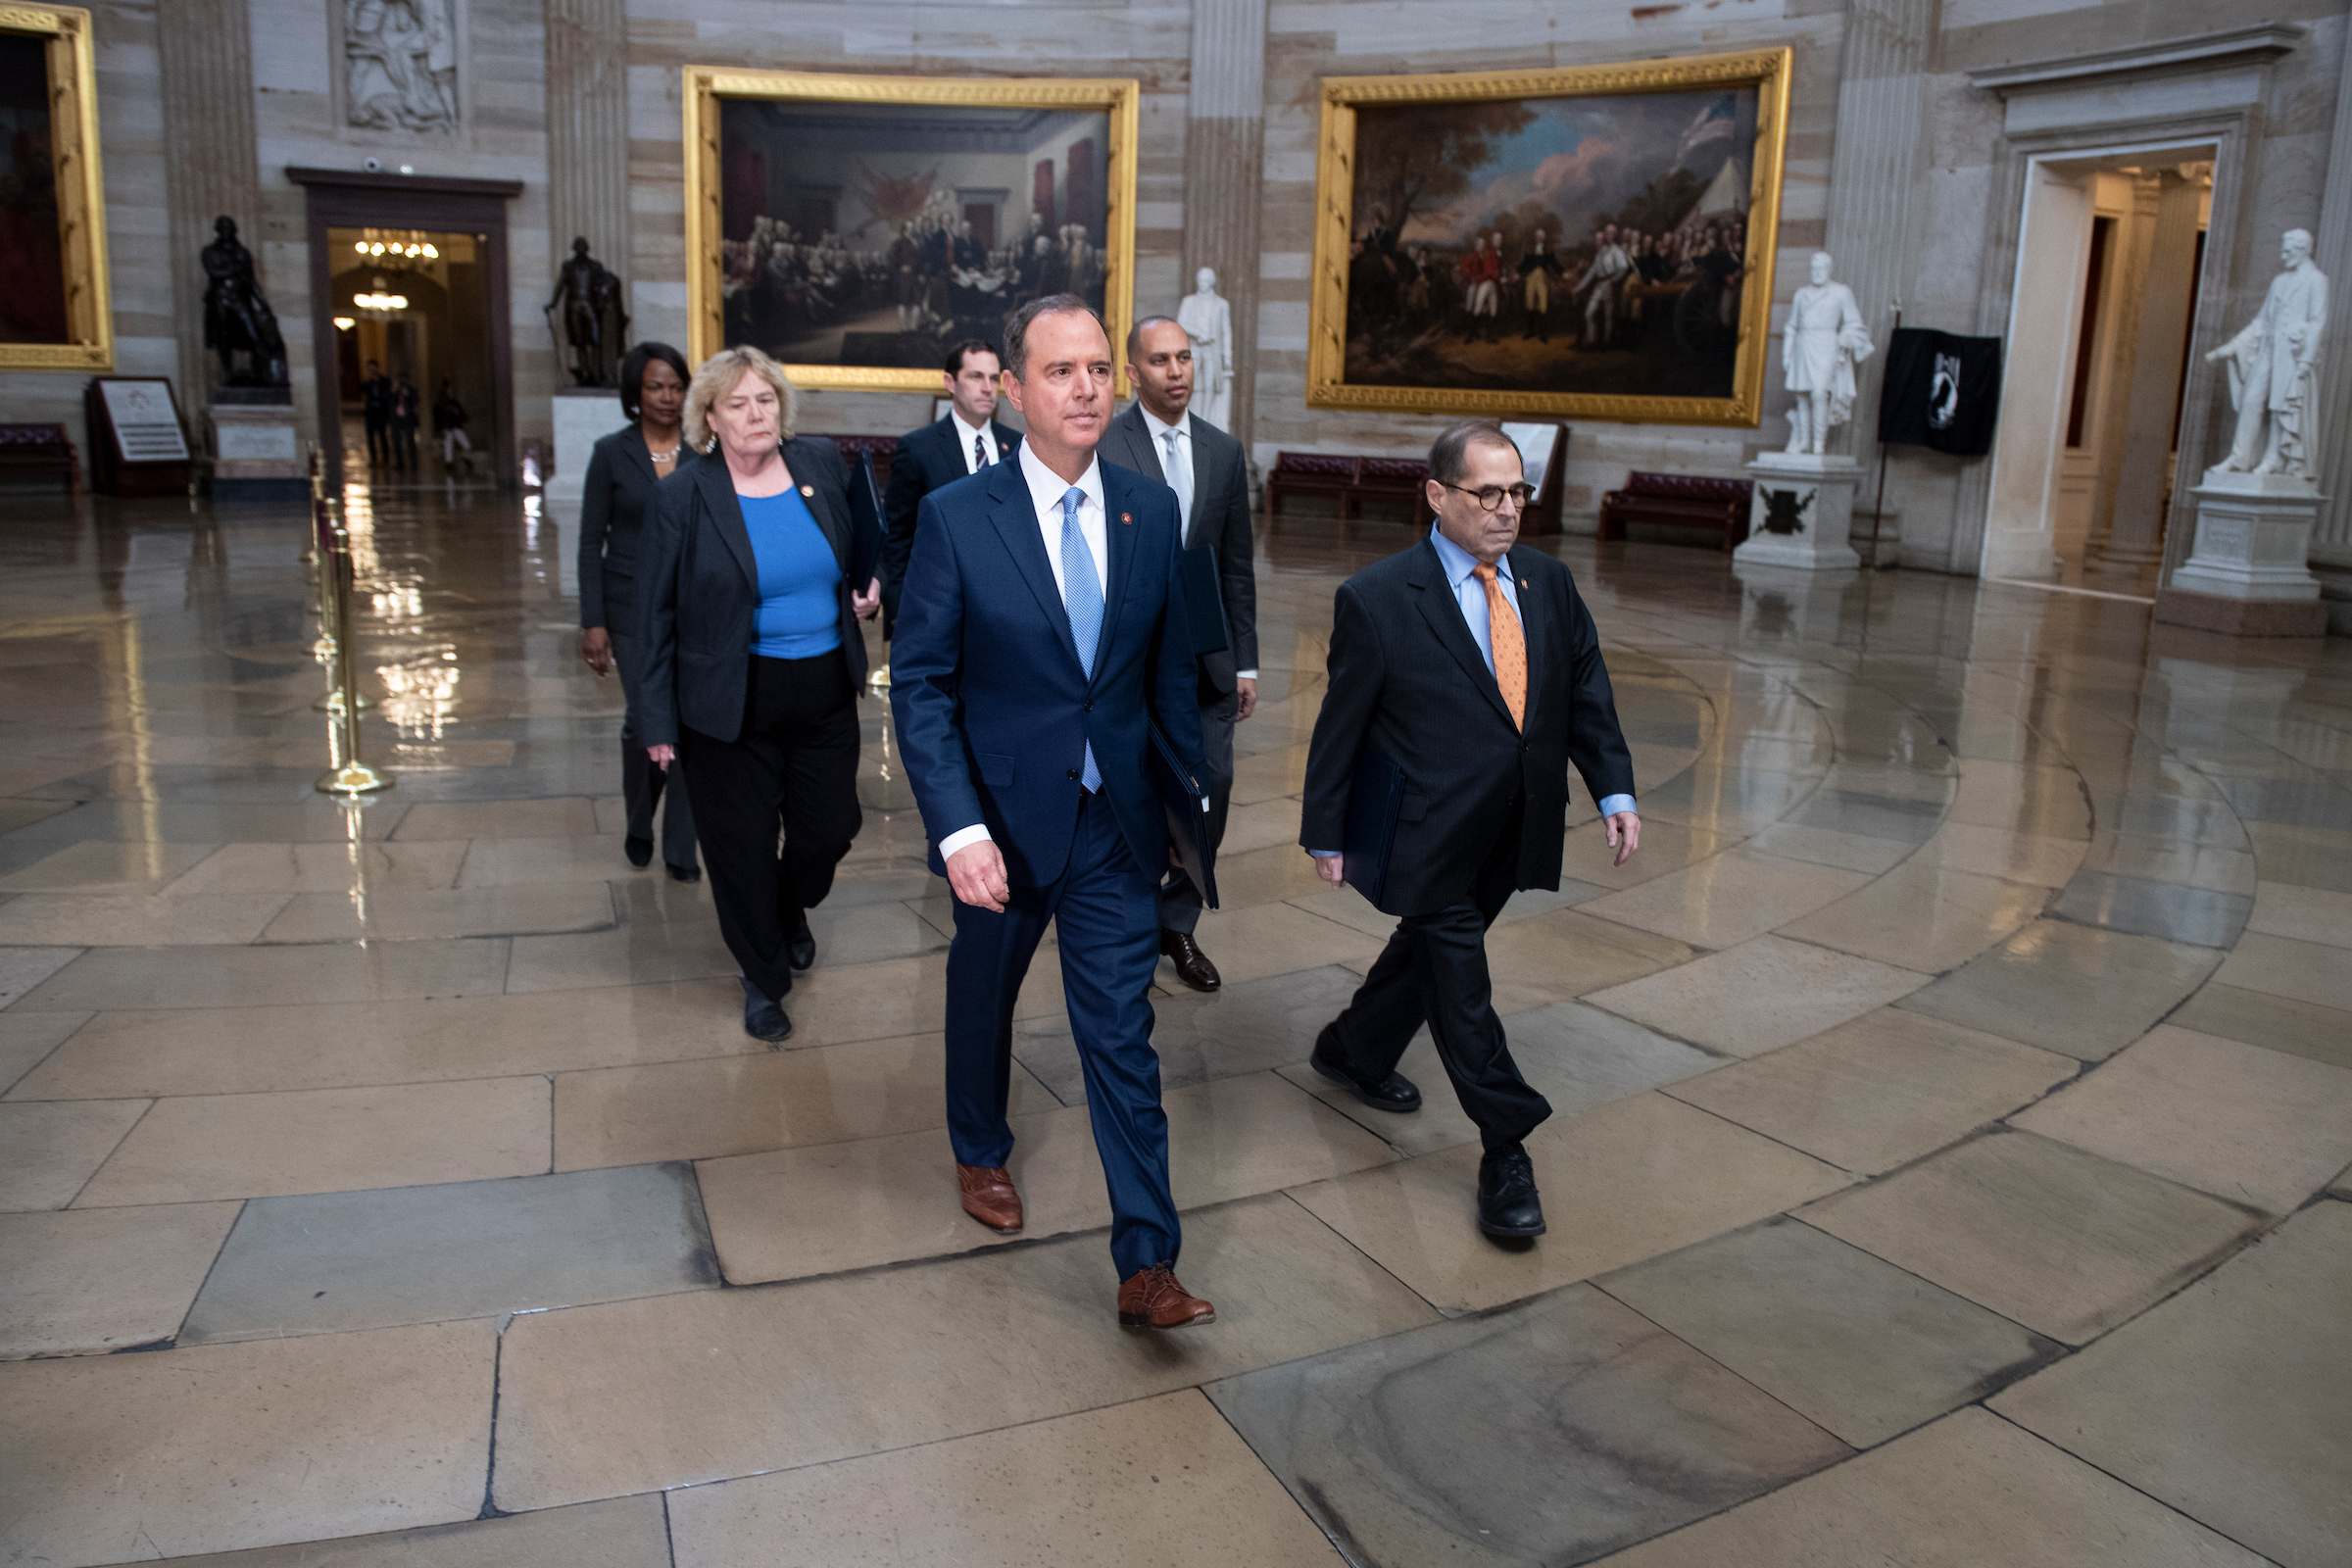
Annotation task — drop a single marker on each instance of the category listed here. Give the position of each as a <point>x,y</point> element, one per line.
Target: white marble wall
<point>505,137</point>
<point>2286,168</point>
<point>296,118</point>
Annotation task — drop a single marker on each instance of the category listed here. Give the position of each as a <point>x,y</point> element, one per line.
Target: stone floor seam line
<point>2125,1484</point>
<point>1291,1196</point>
<point>498,1353</point>
<point>152,1102</point>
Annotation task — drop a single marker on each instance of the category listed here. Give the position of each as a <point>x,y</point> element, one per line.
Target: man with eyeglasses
<point>1472,665</point>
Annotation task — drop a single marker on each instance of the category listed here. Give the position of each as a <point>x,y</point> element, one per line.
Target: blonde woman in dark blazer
<point>753,661</point>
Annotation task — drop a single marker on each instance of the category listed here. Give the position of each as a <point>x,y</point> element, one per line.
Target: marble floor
<point>1954,1101</point>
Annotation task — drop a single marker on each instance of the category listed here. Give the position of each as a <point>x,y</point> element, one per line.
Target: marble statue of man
<point>1824,341</point>
<point>2272,365</point>
<point>1207,319</point>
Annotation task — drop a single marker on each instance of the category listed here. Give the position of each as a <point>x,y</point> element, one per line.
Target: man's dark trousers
<point>1105,913</point>
<point>1434,969</point>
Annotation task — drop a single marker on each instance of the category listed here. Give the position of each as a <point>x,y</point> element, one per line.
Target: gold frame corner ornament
<point>80,192</point>
<point>1119,99</point>
<point>1766,71</point>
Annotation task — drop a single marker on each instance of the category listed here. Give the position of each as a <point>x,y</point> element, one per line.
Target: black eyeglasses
<point>1489,496</point>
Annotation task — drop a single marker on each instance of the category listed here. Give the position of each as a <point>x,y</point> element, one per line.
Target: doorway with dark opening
<point>413,378</point>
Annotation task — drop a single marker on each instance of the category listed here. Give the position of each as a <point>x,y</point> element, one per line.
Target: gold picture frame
<point>708,88</point>
<point>89,338</point>
<point>1764,72</point>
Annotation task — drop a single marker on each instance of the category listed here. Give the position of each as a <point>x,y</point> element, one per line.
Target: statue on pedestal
<point>586,316</point>
<point>1207,319</point>
<point>238,320</point>
<point>1823,342</point>
<point>2272,367</point>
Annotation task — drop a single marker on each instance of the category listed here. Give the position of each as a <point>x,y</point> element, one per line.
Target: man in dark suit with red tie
<point>967,440</point>
<point>1470,662</point>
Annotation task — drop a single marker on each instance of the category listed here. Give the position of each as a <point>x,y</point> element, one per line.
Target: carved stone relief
<point>400,65</point>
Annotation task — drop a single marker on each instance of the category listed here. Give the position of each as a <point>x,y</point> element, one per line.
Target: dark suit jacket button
<point>1089,707</point>
<point>1073,772</point>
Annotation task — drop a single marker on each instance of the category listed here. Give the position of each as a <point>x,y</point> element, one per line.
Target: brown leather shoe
<point>989,1197</point>
<point>1192,965</point>
<point>1156,1299</point>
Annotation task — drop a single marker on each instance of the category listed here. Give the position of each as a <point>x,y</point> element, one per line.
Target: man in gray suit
<point>1159,438</point>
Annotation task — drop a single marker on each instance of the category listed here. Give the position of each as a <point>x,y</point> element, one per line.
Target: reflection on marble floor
<point>1954,1104</point>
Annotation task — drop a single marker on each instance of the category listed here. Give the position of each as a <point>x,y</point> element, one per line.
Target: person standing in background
<point>406,416</point>
<point>1475,668</point>
<point>376,413</point>
<point>1161,438</point>
<point>624,472</point>
<point>963,442</point>
<point>449,423</point>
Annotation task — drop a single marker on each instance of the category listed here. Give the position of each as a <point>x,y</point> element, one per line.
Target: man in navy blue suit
<point>1041,638</point>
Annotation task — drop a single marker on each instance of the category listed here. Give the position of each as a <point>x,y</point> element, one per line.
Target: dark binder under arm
<point>1375,796</point>
<point>1203,599</point>
<point>865,525</point>
<point>1185,798</point>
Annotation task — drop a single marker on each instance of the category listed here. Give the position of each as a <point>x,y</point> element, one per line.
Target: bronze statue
<point>591,320</point>
<point>236,318</point>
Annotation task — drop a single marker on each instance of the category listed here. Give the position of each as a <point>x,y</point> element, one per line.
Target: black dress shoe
<point>1192,965</point>
<point>1507,1204</point>
<point>685,873</point>
<point>1394,1093</point>
<point>801,950</point>
<point>762,1019</point>
<point>640,852</point>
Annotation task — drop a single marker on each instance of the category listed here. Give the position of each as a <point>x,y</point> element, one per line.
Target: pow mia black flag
<point>1941,392</point>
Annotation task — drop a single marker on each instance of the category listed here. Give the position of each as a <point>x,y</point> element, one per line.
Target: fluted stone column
<point>588,132</point>
<point>2151,384</point>
<point>1874,170</point>
<point>2331,539</point>
<point>1224,154</point>
<point>206,49</point>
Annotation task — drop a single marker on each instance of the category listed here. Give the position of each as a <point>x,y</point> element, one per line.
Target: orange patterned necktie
<point>1509,642</point>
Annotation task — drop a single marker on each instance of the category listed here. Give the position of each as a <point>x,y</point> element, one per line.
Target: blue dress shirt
<point>1470,596</point>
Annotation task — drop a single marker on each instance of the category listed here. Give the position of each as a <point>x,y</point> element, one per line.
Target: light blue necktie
<point>1082,598</point>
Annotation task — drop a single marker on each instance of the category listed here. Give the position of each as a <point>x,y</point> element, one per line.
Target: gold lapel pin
<point>808,490</point>
<point>1127,516</point>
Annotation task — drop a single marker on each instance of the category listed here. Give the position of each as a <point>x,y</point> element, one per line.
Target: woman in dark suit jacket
<point>623,474</point>
<point>753,664</point>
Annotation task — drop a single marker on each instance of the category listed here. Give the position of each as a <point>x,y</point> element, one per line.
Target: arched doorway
<point>351,199</point>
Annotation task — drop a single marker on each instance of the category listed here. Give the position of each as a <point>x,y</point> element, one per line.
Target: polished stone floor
<point>1954,1104</point>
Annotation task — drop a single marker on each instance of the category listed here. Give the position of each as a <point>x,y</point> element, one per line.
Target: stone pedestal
<point>256,446</point>
<point>2246,575</point>
<point>1802,512</point>
<point>584,415</point>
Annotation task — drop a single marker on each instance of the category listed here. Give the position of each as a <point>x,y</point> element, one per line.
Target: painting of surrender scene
<point>874,235</point>
<point>1588,245</point>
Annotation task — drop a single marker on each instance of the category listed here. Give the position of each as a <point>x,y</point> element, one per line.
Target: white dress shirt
<point>1179,476</point>
<point>1183,428</point>
<point>1045,490</point>
<point>967,434</point>
<point>1470,596</point>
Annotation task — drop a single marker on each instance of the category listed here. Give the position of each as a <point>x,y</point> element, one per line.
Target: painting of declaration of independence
<point>863,238</point>
<point>1598,252</point>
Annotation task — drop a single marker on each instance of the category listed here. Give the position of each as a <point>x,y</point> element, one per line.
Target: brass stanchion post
<point>349,775</point>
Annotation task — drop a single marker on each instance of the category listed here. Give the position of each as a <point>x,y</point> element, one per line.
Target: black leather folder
<point>1184,796</point>
<point>1374,798</point>
<point>1203,602</point>
<point>865,525</point>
